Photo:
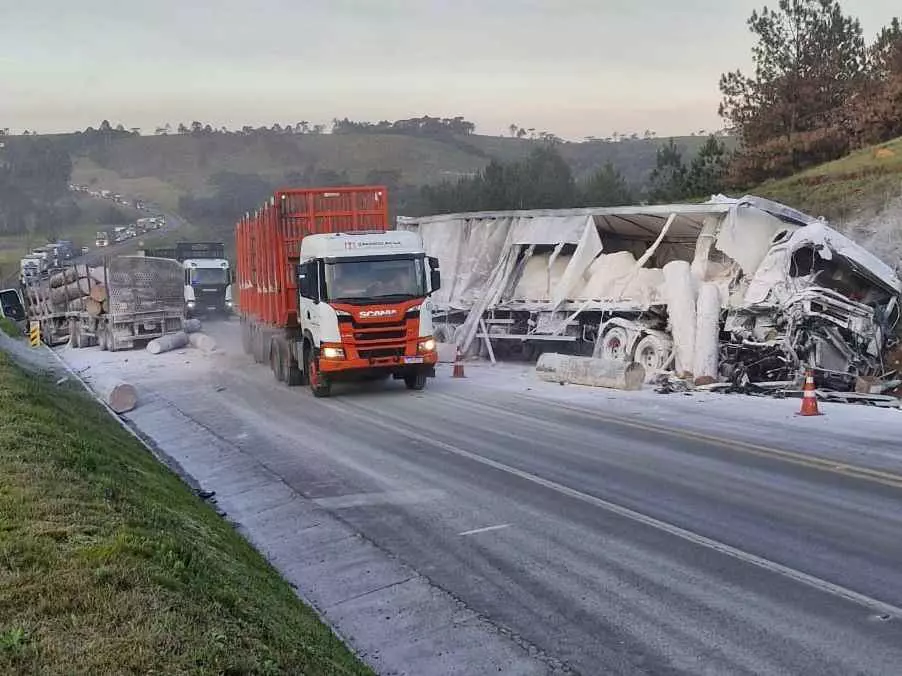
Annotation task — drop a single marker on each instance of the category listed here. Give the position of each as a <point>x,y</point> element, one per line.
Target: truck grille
<point>381,352</point>
<point>379,335</point>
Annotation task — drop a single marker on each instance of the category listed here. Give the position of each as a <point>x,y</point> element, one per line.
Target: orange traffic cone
<point>458,371</point>
<point>809,396</point>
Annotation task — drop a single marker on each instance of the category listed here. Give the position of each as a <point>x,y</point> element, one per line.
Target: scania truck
<point>208,282</point>
<point>327,292</point>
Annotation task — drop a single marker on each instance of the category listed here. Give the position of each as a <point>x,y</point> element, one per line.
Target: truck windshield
<point>11,306</point>
<point>209,276</point>
<point>385,279</point>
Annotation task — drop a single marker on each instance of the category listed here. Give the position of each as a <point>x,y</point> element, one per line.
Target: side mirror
<point>433,263</point>
<point>435,280</point>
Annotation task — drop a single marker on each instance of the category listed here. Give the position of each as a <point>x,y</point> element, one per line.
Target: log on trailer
<point>564,368</point>
<point>171,341</point>
<point>99,293</point>
<point>64,277</point>
<point>92,307</point>
<point>63,294</point>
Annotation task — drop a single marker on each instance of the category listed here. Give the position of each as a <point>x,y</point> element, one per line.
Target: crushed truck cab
<point>326,292</point>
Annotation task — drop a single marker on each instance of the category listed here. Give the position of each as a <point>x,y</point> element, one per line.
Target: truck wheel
<point>417,381</point>
<point>319,384</point>
<point>614,344</point>
<point>102,339</point>
<point>275,362</point>
<point>652,352</point>
<point>74,340</point>
<point>245,337</point>
<point>111,343</point>
<point>293,375</point>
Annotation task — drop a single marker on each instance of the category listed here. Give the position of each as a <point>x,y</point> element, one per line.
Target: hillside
<point>160,168</point>
<point>861,194</point>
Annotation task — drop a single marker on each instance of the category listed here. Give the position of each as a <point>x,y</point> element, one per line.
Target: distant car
<point>85,250</point>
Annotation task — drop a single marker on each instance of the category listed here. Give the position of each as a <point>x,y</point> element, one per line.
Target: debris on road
<point>565,368</point>
<point>172,341</point>
<point>202,342</point>
<point>120,396</point>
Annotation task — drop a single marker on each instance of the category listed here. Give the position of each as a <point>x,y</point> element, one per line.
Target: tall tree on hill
<point>707,172</point>
<point>669,180</point>
<point>606,188</point>
<point>810,58</point>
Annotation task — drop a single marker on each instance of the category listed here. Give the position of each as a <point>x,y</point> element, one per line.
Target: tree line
<point>34,186</point>
<point>818,90</point>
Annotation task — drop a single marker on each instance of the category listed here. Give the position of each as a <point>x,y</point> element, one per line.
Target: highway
<point>608,546</point>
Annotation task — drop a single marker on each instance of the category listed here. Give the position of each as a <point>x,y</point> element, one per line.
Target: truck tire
<point>615,344</point>
<point>74,333</point>
<point>319,385</point>
<point>111,343</point>
<point>245,337</point>
<point>652,352</point>
<point>291,373</point>
<point>416,381</point>
<point>275,361</point>
<point>102,338</point>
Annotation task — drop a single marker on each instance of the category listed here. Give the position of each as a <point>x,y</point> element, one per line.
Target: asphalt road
<point>613,548</point>
<point>96,255</point>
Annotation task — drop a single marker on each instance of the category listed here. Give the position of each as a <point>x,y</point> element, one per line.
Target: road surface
<point>603,544</point>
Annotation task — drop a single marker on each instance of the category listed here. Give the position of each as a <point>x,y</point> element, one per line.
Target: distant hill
<point>161,168</point>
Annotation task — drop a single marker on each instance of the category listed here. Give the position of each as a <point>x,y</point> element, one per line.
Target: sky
<point>575,68</point>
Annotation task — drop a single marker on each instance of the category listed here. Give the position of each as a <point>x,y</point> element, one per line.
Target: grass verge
<point>867,178</point>
<point>109,564</point>
<point>8,326</point>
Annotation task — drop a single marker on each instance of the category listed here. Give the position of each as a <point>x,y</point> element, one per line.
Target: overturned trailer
<point>729,289</point>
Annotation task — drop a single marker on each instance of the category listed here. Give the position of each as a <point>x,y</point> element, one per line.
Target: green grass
<point>109,564</point>
<point>865,179</point>
<point>8,326</point>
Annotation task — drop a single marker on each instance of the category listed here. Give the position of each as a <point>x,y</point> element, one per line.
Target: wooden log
<point>64,277</point>
<point>202,342</point>
<point>191,325</point>
<point>63,294</point>
<point>78,305</point>
<point>171,341</point>
<point>92,307</point>
<point>118,395</point>
<point>565,368</point>
<point>99,293</point>
<point>106,306</point>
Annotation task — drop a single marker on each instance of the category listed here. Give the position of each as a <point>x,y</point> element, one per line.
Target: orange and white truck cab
<point>364,308</point>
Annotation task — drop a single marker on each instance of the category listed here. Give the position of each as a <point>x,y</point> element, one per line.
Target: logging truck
<point>124,303</point>
<point>328,293</point>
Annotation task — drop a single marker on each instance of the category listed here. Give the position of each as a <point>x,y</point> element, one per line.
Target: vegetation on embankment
<point>865,179</point>
<point>8,326</point>
<point>109,564</point>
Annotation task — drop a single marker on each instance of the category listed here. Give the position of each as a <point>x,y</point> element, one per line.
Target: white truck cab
<point>364,306</point>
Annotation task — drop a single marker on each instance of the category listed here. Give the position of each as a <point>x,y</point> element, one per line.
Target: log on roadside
<point>117,394</point>
<point>171,341</point>
<point>565,368</point>
<point>202,342</point>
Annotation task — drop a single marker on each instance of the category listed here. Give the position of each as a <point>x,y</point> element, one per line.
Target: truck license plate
<point>413,360</point>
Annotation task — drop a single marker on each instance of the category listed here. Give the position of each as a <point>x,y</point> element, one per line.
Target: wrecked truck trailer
<point>628,283</point>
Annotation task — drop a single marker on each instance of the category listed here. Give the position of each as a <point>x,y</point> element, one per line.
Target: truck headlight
<point>427,345</point>
<point>333,353</point>
<point>190,304</point>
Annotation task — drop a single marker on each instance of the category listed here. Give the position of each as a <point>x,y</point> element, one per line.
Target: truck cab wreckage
<point>731,290</point>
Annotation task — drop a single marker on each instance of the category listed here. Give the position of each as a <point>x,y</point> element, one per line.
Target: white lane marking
<point>626,512</point>
<point>485,530</point>
<point>380,498</point>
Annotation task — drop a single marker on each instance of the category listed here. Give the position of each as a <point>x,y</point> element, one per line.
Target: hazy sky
<point>573,67</point>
